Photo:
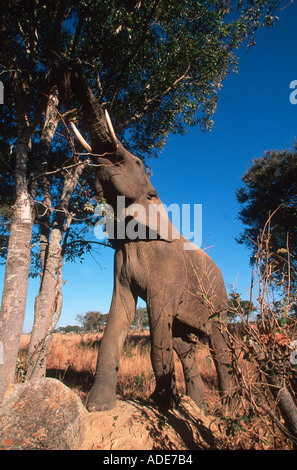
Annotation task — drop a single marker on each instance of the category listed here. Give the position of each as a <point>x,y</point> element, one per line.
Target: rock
<point>45,414</point>
<point>42,414</point>
<point>133,426</point>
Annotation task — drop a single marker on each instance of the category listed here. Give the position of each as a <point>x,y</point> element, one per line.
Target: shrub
<point>264,349</point>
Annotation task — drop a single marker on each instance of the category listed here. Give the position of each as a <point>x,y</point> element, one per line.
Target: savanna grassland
<point>72,360</point>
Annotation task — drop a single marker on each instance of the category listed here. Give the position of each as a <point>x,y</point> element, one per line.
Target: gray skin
<point>183,289</point>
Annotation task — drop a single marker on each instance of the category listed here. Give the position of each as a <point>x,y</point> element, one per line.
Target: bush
<point>264,349</point>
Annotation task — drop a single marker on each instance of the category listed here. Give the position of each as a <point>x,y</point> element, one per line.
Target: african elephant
<point>183,289</point>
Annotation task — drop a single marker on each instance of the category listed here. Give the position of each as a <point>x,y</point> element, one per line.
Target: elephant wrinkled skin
<point>183,289</point>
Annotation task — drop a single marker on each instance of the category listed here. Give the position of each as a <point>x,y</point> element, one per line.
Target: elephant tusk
<point>111,129</point>
<point>80,138</point>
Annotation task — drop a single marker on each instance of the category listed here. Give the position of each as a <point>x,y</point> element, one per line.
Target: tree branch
<point>149,101</point>
<point>77,35</point>
<point>135,51</point>
<point>57,26</point>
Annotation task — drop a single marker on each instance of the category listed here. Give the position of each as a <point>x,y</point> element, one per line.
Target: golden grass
<point>72,359</point>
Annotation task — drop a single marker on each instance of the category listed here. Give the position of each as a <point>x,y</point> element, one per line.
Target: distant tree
<point>270,191</point>
<point>68,329</point>
<point>92,321</point>
<point>141,319</point>
<point>239,308</point>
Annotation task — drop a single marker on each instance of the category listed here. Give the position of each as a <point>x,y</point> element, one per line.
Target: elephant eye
<point>151,196</point>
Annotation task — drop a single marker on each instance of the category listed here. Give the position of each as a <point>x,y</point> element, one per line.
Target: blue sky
<point>254,114</point>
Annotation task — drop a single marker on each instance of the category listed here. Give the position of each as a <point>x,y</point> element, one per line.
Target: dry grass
<point>72,359</point>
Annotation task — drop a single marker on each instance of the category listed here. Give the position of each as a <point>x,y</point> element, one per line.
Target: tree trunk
<point>14,295</point>
<point>48,303</point>
<point>50,252</point>
<point>48,306</point>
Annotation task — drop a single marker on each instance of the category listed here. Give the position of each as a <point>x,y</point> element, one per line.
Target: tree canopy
<point>270,193</point>
<point>92,321</point>
<point>156,65</point>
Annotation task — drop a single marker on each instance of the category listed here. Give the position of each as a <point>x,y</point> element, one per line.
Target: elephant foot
<point>163,401</point>
<point>97,402</point>
<point>91,407</point>
<point>195,390</point>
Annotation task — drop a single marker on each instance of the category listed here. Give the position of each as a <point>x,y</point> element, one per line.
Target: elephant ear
<point>154,216</point>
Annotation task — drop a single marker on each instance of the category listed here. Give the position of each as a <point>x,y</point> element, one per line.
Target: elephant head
<point>120,173</point>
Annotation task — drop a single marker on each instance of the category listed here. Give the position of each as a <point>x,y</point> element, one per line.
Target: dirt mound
<point>134,426</point>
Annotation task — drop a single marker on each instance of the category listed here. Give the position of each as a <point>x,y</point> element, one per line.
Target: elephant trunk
<point>102,139</point>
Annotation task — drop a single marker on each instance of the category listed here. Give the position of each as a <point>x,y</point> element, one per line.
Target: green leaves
<point>208,360</point>
<point>283,321</point>
<point>215,316</point>
<point>160,64</point>
<point>270,189</point>
<point>156,64</point>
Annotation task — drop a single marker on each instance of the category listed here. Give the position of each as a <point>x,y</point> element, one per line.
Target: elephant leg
<point>186,351</point>
<point>220,353</point>
<point>165,395</point>
<point>103,392</point>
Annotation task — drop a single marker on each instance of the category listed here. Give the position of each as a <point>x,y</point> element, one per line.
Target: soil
<point>132,425</point>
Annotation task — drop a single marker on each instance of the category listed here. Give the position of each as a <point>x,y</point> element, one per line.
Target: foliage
<point>92,321</point>
<point>158,65</point>
<point>141,320</point>
<point>156,74</point>
<point>270,190</point>
<point>238,306</point>
<point>68,329</point>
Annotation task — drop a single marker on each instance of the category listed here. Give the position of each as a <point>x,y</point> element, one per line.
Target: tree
<point>68,329</point>
<point>141,320</point>
<point>270,193</point>
<point>30,121</point>
<point>156,74</point>
<point>92,321</point>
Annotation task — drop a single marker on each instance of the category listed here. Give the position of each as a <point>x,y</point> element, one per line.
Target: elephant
<point>183,289</point>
